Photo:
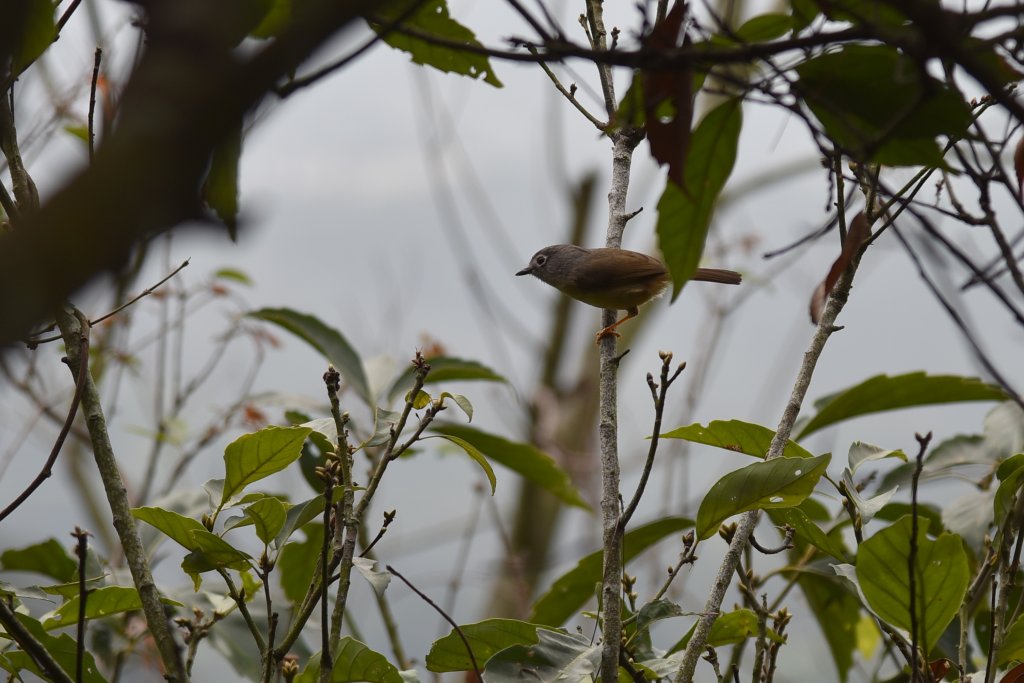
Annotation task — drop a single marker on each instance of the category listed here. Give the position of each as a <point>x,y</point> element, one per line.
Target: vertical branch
<point>74,326</point>
<point>915,673</point>
<point>623,143</point>
<point>81,546</point>
<point>826,326</point>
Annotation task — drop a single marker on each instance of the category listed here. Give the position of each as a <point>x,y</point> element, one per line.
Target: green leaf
<point>297,562</point>
<point>268,515</point>
<point>656,610</point>
<point>420,401</point>
<point>328,341</point>
<point>234,275</point>
<point>220,189</point>
<point>477,457</point>
<point>36,32</point>
<point>383,422</point>
<point>219,552</point>
<point>556,656</point>
<point>1012,648</point>
<point>883,392</point>
<point>737,436</point>
<point>485,639</point>
<point>809,532</point>
<point>573,589</point>
<point>861,453</point>
<point>445,369</point>
<point>48,558</point>
<point>684,214</point>
<point>1011,478</point>
<point>764,27</point>
<point>533,464</point>
<point>356,662</point>
<point>299,515</point>
<point>100,602</point>
<point>277,17</point>
<point>941,577</point>
<point>778,483</point>
<point>62,648</point>
<point>730,628</point>
<point>252,457</point>
<point>431,17</point>
<point>837,612</point>
<point>177,527</point>
<point>461,401</point>
<point>877,103</point>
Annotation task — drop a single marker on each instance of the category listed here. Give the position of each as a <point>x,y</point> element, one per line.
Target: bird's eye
<point>541,260</point>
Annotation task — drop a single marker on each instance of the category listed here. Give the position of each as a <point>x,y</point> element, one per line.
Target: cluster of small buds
<point>289,667</point>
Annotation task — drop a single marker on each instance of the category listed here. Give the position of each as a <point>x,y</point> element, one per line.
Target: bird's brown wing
<point>616,268</point>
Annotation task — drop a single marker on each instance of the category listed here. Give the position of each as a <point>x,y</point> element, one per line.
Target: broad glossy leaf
<point>268,514</point>
<point>432,17</point>
<point>100,602</point>
<point>684,214</point>
<point>298,560</point>
<point>764,27</point>
<point>737,436</point>
<point>300,514</point>
<point>331,344</point>
<point>62,648</point>
<point>556,656</point>
<point>837,612</point>
<point>177,527</point>
<point>657,610</point>
<point>729,629</point>
<point>218,551</point>
<point>356,662</point>
<point>530,462</point>
<point>1011,478</point>
<point>476,456</point>
<point>48,558</point>
<point>1012,647</point>
<point>445,369</point>
<point>883,392</point>
<point>941,578</point>
<point>36,33</point>
<point>778,483</point>
<point>220,189</point>
<point>875,102</point>
<point>252,457</point>
<point>485,638</point>
<point>573,589</point>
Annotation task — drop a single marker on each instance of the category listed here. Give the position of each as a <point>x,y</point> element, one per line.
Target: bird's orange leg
<point>610,330</point>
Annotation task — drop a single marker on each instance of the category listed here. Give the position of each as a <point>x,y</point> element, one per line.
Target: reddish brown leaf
<point>1014,675</point>
<point>859,231</point>
<point>1018,163</point>
<point>669,89</point>
<point>940,667</point>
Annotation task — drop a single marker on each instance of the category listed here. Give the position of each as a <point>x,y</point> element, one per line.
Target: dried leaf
<point>859,231</point>
<point>668,97</point>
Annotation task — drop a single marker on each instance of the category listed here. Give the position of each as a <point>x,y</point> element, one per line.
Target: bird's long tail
<point>720,275</point>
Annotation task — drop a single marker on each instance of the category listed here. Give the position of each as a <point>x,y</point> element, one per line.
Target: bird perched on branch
<point>617,279</point>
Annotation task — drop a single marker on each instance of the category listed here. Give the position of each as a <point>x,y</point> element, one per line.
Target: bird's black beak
<point>525,271</point>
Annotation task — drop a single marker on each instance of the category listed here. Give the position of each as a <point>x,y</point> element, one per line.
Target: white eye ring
<point>541,259</point>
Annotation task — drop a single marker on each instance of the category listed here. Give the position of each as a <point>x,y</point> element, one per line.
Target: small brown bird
<point>618,279</point>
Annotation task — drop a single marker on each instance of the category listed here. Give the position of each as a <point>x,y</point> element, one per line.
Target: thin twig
<point>32,343</point>
<point>425,598</point>
<point>92,100</point>
<point>923,442</point>
<point>47,470</point>
<point>81,548</point>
